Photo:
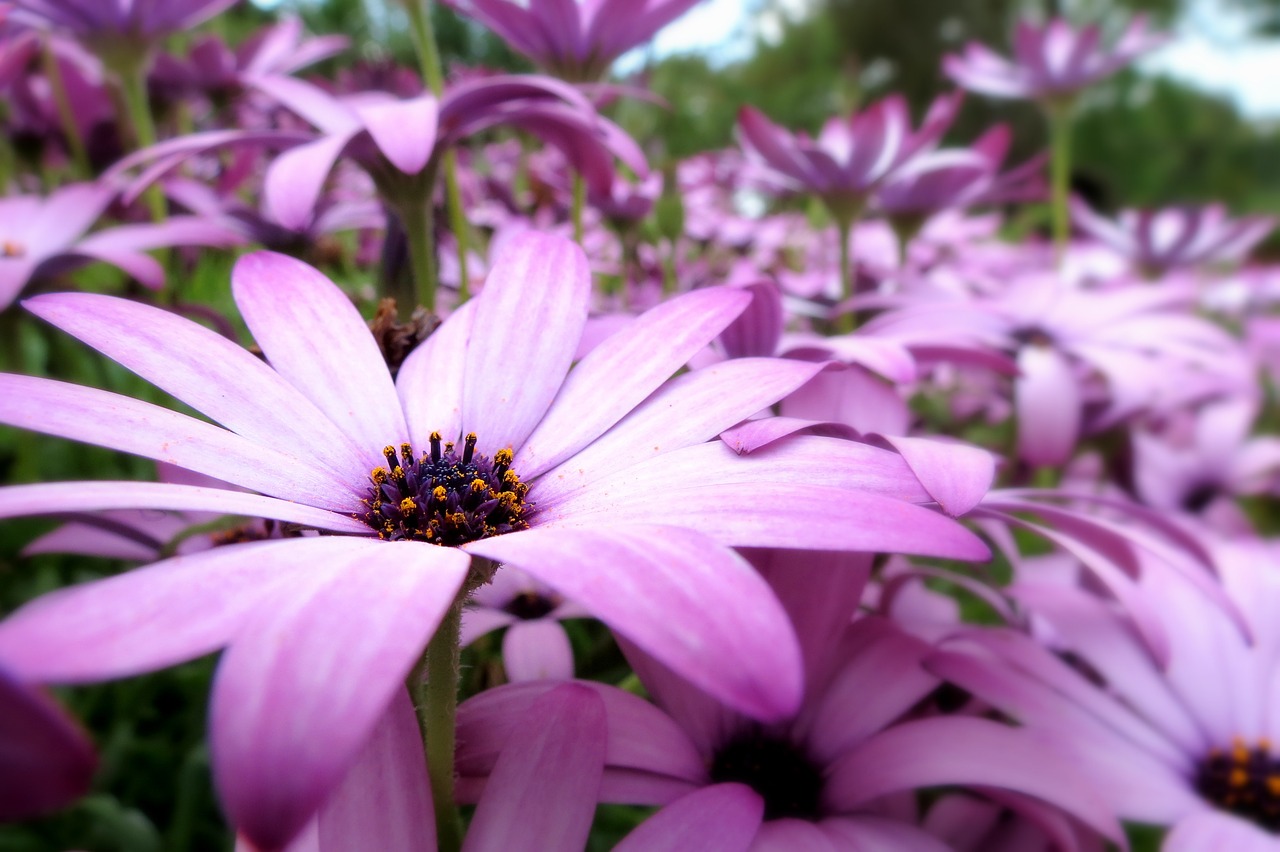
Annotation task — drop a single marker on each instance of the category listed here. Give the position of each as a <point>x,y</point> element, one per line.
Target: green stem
<point>66,116</point>
<point>1060,175</point>
<point>847,321</point>
<point>579,204</point>
<point>434,689</point>
<point>457,222</point>
<point>669,271</point>
<point>424,41</point>
<point>417,219</point>
<point>133,86</point>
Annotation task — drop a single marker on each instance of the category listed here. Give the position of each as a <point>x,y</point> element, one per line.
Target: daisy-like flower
<point>1156,241</point>
<point>602,482</point>
<point>1189,743</point>
<point>572,39</point>
<point>1050,63</point>
<point>42,238</point>
<point>135,22</point>
<point>831,776</point>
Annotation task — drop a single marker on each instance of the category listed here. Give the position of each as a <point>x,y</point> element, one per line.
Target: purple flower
<point>573,39</point>
<point>852,155</point>
<point>213,68</point>
<point>1157,241</point>
<point>534,645</point>
<point>43,238</point>
<point>137,22</point>
<point>1051,63</point>
<point>829,773</point>
<point>602,483</point>
<point>45,760</point>
<point>1186,742</point>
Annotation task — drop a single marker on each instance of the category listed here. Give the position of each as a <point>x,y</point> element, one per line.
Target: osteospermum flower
<point>486,449</point>
<point>1049,63</point>
<point>1187,743</point>
<point>827,778</point>
<point>133,22</point>
<point>1156,241</point>
<point>574,40</point>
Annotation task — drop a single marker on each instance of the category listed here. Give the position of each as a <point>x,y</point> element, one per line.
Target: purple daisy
<point>486,443</point>
<point>572,39</point>
<point>831,776</point>
<point>1187,742</point>
<point>1050,63</point>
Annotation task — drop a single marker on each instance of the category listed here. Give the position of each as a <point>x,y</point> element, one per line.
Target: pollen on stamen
<point>1244,780</point>
<point>445,497</point>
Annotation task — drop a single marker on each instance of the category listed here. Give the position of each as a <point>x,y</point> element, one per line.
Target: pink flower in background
<point>1157,241</point>
<point>45,760</point>
<point>851,155</point>
<point>534,645</point>
<point>43,238</point>
<point>136,22</point>
<point>1050,63</point>
<point>1187,744</point>
<point>828,777</point>
<point>573,39</point>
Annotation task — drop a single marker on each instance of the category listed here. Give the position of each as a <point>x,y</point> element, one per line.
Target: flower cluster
<point>500,467</point>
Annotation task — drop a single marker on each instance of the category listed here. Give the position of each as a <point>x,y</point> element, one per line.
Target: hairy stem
<point>434,688</point>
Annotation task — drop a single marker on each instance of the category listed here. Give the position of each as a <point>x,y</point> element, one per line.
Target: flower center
<point>1244,781</point>
<point>529,606</point>
<point>1199,497</point>
<point>781,773</point>
<point>445,497</point>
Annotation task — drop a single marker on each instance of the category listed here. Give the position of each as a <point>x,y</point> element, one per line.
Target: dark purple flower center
<point>445,497</point>
<point>529,606</point>
<point>780,772</point>
<point>1198,498</point>
<point>1244,781</point>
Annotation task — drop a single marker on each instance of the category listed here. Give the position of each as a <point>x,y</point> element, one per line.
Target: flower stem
<point>133,86</point>
<point>1060,170</point>
<point>847,321</point>
<point>579,204</point>
<point>434,688</point>
<point>417,218</point>
<point>66,116</point>
<point>424,41</point>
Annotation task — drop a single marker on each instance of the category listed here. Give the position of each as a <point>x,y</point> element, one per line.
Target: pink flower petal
<point>53,498</point>
<point>46,760</point>
<point>384,802</point>
<point>313,335</point>
<point>214,376</point>
<point>527,324</point>
<point>157,616</point>
<point>964,751</point>
<point>430,379</point>
<point>689,410</point>
<point>624,369</point>
<point>404,131</point>
<point>719,818</point>
<point>536,650</point>
<point>543,790</point>
<point>312,670</point>
<point>655,586</point>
